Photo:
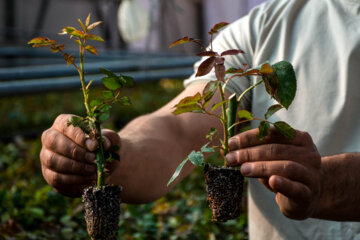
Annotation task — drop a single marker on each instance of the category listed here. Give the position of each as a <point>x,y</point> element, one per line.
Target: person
<point>305,188</point>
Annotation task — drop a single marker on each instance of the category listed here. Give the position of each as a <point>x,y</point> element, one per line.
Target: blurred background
<point>36,86</point>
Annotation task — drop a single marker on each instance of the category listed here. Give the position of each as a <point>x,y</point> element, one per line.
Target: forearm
<point>340,195</point>
<point>152,146</point>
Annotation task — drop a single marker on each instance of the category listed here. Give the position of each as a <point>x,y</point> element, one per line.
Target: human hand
<point>67,156</point>
<point>289,168</point>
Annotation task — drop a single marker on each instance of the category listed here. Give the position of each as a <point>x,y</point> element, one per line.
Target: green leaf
<point>81,24</point>
<point>94,37</point>
<point>215,106</point>
<point>195,108</point>
<point>125,101</point>
<point>67,30</point>
<point>209,91</point>
<point>80,122</point>
<point>111,83</point>
<point>87,21</point>
<point>244,114</point>
<point>285,129</point>
<point>127,81</point>
<point>108,94</point>
<point>217,27</point>
<point>212,133</point>
<point>95,103</point>
<point>196,158</point>
<point>263,130</point>
<point>107,72</point>
<point>177,171</point>
<point>103,116</point>
<point>285,75</point>
<point>206,149</point>
<point>271,110</point>
<point>190,100</point>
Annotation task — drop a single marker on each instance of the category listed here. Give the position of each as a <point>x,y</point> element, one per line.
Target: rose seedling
<point>280,83</point>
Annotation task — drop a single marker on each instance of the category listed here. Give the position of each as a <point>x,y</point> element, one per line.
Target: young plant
<point>97,110</point>
<point>280,84</point>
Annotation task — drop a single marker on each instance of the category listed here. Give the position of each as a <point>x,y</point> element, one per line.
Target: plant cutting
<point>102,202</point>
<point>224,184</point>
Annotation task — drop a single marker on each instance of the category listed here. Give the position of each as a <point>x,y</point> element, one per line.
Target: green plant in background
<point>280,83</point>
<point>100,224</point>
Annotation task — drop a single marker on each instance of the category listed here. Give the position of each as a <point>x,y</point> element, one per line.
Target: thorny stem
<point>100,161</point>
<point>82,79</point>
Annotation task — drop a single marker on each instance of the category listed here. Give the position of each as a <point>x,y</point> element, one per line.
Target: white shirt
<point>321,38</point>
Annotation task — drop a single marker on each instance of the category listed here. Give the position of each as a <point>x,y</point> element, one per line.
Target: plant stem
<point>231,111</point>
<point>226,133</point>
<point>248,90</point>
<point>82,79</point>
<point>100,160</point>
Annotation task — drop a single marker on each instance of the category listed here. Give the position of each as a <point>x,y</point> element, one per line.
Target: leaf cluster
<point>279,80</point>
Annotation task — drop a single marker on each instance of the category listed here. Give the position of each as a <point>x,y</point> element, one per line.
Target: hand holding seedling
<point>68,158</point>
<point>288,167</point>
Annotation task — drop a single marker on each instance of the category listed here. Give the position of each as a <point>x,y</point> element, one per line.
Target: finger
<point>268,152</point>
<point>62,164</point>
<point>111,138</point>
<point>296,191</point>
<point>286,169</point>
<point>59,143</point>
<point>61,180</point>
<point>74,133</point>
<point>249,139</point>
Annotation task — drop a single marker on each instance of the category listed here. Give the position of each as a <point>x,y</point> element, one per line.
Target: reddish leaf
<point>180,41</point>
<point>69,59</point>
<point>266,68</point>
<point>206,66</point>
<point>220,72</point>
<point>41,42</point>
<point>94,25</point>
<point>217,27</point>
<point>57,48</point>
<point>232,52</point>
<point>94,37</point>
<point>91,49</point>
<point>251,72</point>
<point>207,53</point>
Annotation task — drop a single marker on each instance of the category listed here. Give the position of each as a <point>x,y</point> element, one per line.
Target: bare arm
<point>340,196</point>
<point>152,146</point>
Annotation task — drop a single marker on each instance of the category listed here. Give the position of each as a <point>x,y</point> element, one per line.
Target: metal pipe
<point>19,88</point>
<point>59,70</point>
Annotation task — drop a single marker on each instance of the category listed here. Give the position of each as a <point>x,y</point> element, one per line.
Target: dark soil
<point>102,211</point>
<point>224,187</point>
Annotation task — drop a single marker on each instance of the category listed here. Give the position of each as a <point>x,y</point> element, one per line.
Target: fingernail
<point>232,144</point>
<point>90,144</point>
<point>90,168</point>
<point>246,169</point>
<point>230,158</point>
<point>90,157</point>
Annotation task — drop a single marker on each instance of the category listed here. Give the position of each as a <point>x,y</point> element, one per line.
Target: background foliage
<point>30,209</point>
